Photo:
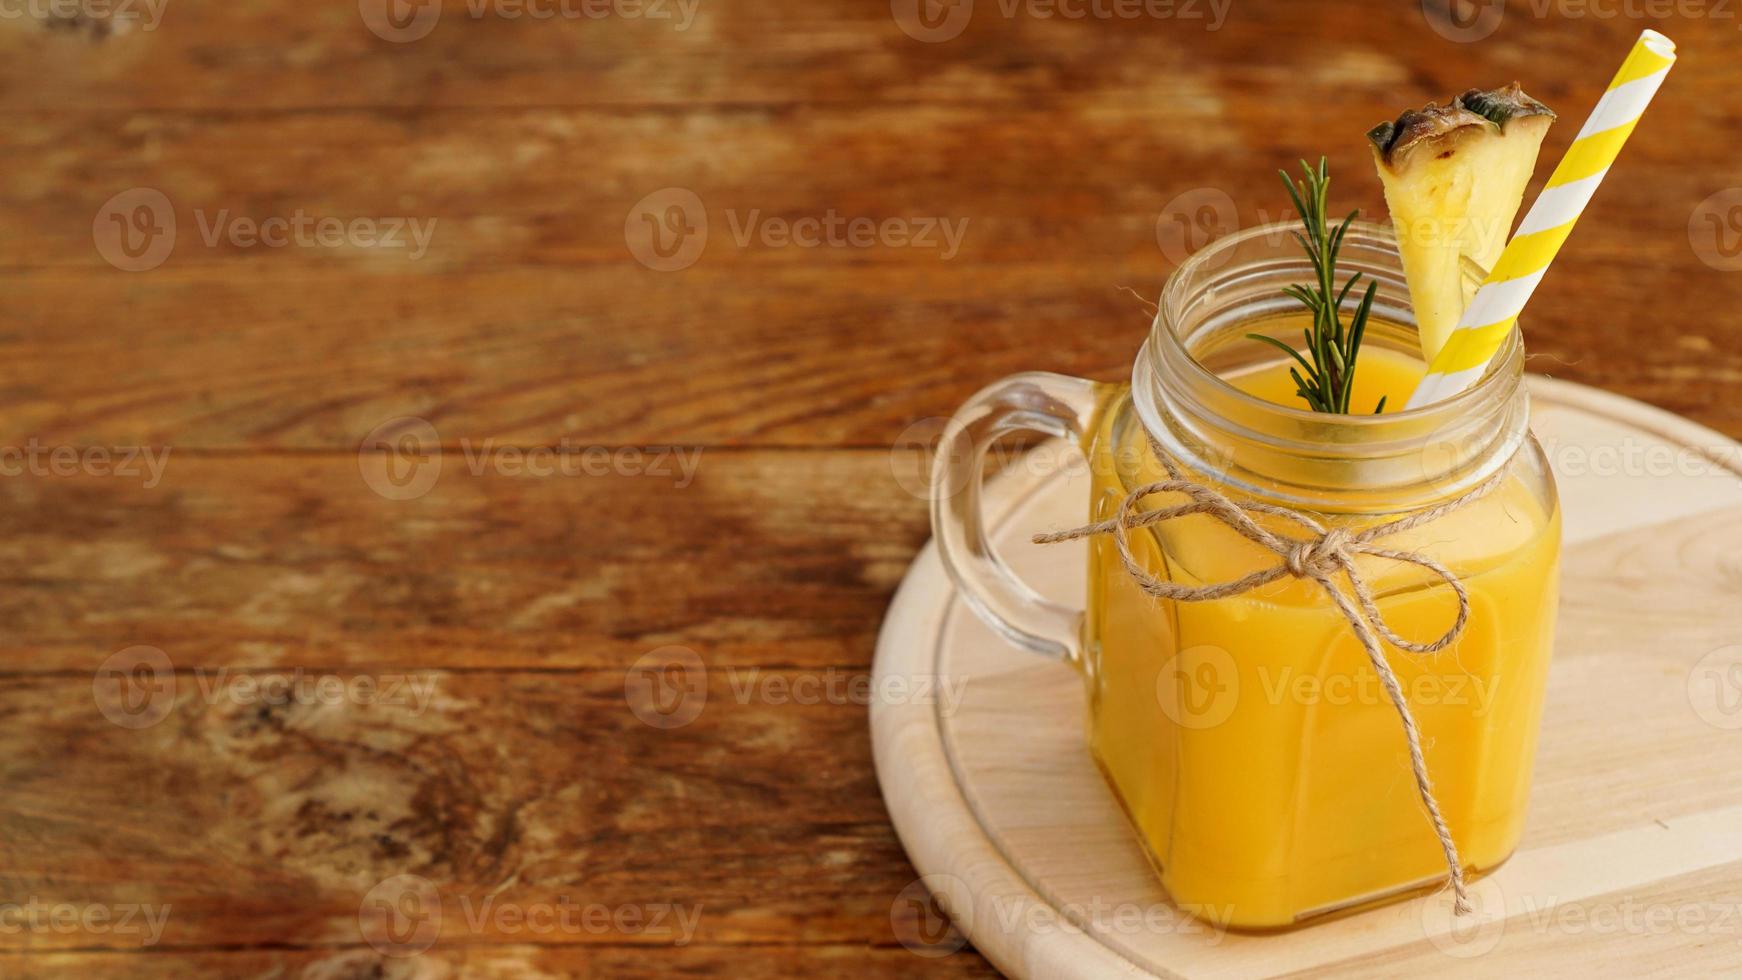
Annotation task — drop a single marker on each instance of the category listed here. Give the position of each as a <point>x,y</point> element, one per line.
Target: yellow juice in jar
<point>1248,737</point>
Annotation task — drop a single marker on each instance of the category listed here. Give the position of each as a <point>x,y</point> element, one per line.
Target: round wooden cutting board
<point>1632,860</point>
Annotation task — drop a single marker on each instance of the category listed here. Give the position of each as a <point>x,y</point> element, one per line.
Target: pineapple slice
<point>1454,176</point>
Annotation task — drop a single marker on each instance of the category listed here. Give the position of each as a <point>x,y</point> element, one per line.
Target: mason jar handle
<point>1037,401</point>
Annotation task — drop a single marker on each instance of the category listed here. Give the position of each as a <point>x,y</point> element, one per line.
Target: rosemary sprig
<point>1329,376</point>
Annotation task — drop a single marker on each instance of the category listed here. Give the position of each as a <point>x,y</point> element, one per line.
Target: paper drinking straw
<point>1495,307</point>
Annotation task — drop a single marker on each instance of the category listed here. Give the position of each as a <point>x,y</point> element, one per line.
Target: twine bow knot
<point>1318,557</point>
<point>1323,556</point>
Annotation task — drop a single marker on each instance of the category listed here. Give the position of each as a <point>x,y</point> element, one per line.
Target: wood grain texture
<point>847,962</point>
<point>269,561</point>
<point>1061,144</point>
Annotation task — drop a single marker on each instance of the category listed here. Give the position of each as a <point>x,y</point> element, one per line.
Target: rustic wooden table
<point>273,706</point>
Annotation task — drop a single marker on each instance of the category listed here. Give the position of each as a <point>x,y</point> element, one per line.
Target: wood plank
<point>205,55</point>
<point>535,358</point>
<point>847,962</point>
<point>496,752</point>
<point>310,347</point>
<point>767,558</point>
<point>530,358</point>
<point>272,823</point>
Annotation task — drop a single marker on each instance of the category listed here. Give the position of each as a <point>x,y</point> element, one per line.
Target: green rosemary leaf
<point>1288,182</point>
<point>1357,332</point>
<point>1337,359</point>
<point>1313,398</point>
<point>1381,409</point>
<point>1308,299</point>
<point>1329,377</point>
<point>1279,345</point>
<point>1341,296</point>
<point>1358,325</point>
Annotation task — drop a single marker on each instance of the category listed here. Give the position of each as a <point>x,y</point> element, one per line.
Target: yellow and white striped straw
<point>1495,307</point>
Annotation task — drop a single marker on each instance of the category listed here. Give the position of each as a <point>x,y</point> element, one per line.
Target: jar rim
<point>1297,456</point>
<point>1493,384</point>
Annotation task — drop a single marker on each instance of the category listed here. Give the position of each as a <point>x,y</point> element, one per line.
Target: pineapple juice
<point>1248,737</point>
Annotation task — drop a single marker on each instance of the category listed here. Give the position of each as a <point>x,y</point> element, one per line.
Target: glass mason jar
<point>1249,738</point>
